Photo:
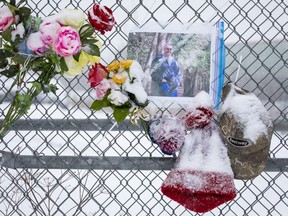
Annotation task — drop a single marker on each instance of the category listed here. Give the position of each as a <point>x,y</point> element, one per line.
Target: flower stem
<point>22,102</point>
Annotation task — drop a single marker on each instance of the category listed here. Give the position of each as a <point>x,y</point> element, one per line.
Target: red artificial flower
<point>96,74</point>
<point>101,18</point>
<point>200,117</point>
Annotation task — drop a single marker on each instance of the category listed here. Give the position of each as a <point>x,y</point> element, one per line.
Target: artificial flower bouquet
<point>40,48</point>
<point>119,86</point>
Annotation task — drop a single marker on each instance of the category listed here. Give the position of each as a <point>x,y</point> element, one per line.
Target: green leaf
<point>86,31</point>
<point>92,49</point>
<point>3,63</point>
<point>24,102</point>
<point>120,113</point>
<point>37,85</point>
<point>49,88</point>
<point>99,104</point>
<point>8,53</point>
<point>7,35</point>
<point>87,41</point>
<point>24,13</point>
<point>11,72</point>
<point>63,64</point>
<point>76,57</point>
<point>19,59</point>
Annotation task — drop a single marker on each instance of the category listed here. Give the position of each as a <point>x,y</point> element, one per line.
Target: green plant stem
<point>15,111</point>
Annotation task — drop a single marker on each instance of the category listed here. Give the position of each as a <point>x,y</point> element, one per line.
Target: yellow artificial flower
<point>74,67</point>
<point>114,66</point>
<point>85,59</point>
<point>125,64</point>
<point>119,78</point>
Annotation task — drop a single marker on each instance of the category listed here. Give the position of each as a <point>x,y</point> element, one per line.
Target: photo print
<point>175,65</point>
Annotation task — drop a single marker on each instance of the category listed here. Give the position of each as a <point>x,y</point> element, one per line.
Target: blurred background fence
<point>64,159</point>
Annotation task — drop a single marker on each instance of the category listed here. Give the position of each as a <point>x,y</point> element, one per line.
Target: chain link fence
<point>64,159</point>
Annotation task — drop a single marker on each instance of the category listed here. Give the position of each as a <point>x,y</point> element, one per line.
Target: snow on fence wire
<point>64,159</point>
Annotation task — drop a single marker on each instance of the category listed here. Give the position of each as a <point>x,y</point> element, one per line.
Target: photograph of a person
<point>175,64</point>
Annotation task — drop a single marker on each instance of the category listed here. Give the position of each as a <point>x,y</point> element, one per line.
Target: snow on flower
<point>138,90</point>
<point>66,45</point>
<point>49,31</point>
<point>101,18</point>
<point>67,42</point>
<point>6,18</point>
<point>119,78</point>
<point>117,97</point>
<point>127,91</point>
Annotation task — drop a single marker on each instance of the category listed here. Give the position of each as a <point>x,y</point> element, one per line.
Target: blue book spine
<point>220,62</point>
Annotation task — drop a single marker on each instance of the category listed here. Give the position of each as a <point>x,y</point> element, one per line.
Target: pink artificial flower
<point>6,18</point>
<point>49,31</point>
<point>101,18</point>
<point>96,74</point>
<point>36,44</point>
<point>102,88</point>
<point>67,42</point>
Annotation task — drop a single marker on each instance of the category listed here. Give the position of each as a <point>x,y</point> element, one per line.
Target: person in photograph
<point>165,74</point>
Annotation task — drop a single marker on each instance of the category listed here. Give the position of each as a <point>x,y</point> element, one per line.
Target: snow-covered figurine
<point>246,130</point>
<point>202,178</point>
<point>168,132</point>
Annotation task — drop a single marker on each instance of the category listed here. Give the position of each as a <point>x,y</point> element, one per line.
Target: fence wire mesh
<point>63,125</point>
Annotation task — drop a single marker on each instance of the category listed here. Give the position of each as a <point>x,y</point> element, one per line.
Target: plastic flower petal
<point>74,67</point>
<point>101,18</point>
<point>126,63</point>
<point>89,58</point>
<point>114,66</point>
<point>6,18</point>
<point>49,31</point>
<point>102,88</point>
<point>67,42</point>
<point>36,44</point>
<point>119,78</point>
<point>71,17</point>
<point>96,74</point>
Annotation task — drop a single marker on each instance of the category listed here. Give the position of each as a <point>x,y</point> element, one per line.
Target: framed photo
<point>176,65</point>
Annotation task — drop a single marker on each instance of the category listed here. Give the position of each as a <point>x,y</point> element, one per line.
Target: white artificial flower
<point>71,17</point>
<point>117,97</point>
